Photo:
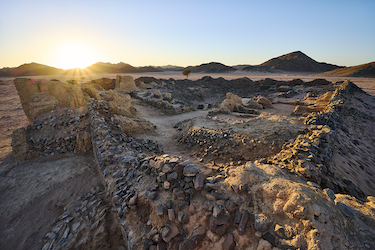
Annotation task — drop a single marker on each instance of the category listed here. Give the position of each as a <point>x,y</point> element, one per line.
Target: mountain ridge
<point>295,61</point>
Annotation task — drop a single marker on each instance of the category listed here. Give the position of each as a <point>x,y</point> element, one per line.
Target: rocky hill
<point>31,69</point>
<point>297,62</point>
<point>212,67</point>
<point>364,70</point>
<point>118,68</point>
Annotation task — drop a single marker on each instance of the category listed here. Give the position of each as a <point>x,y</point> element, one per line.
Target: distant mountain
<point>30,69</point>
<point>364,70</point>
<point>212,67</point>
<point>297,62</point>
<point>170,68</point>
<point>121,67</point>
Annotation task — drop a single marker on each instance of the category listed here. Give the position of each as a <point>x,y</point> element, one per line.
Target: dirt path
<point>166,133</point>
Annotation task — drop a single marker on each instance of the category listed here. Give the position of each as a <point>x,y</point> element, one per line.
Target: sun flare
<point>75,55</point>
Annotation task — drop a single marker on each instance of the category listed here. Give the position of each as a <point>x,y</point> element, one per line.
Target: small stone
<point>229,243</point>
<point>160,210</point>
<point>218,210</point>
<point>210,197</point>
<point>243,222</point>
<point>190,171</point>
<point>66,232</point>
<point>221,229</point>
<point>345,209</point>
<point>164,231</point>
<point>75,226</point>
<point>167,168</point>
<point>230,206</point>
<point>237,217</point>
<point>169,204</point>
<point>167,185</point>
<point>171,215</point>
<point>172,176</point>
<point>199,181</point>
<point>133,200</point>
<point>261,222</point>
<point>173,232</point>
<point>191,209</point>
<point>330,193</point>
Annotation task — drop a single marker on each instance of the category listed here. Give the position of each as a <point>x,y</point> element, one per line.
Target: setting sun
<point>75,55</point>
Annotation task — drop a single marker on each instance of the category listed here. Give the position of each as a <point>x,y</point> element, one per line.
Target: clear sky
<point>78,33</point>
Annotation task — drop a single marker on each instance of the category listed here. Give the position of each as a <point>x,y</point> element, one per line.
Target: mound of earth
<point>273,179</point>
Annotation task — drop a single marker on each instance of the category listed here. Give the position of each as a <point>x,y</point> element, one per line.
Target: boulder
<point>121,104</point>
<point>253,105</point>
<point>234,98</point>
<point>126,83</point>
<point>264,102</point>
<point>135,125</point>
<point>227,105</point>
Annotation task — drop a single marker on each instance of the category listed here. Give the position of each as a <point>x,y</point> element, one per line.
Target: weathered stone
<point>345,209</point>
<point>191,209</point>
<point>125,83</point>
<point>261,222</point>
<point>167,185</point>
<point>172,176</point>
<point>190,170</point>
<point>173,232</point>
<point>167,168</point>
<point>171,215</point>
<point>229,243</point>
<point>210,197</point>
<point>199,181</point>
<point>243,222</point>
<point>133,200</point>
<point>221,229</point>
<point>164,231</point>
<point>264,102</point>
<point>230,206</point>
<point>160,210</point>
<point>237,217</point>
<point>330,193</point>
<point>218,210</point>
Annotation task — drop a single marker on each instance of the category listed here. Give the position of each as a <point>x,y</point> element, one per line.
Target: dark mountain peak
<point>297,61</point>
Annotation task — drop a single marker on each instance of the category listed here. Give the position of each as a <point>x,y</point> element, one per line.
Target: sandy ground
<point>34,194</point>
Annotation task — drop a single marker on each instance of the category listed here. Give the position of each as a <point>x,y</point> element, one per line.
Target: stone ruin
<point>284,199</point>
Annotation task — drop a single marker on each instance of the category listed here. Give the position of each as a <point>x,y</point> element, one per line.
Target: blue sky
<point>60,33</point>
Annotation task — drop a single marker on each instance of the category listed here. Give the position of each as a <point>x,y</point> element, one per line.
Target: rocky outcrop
<point>125,83</point>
